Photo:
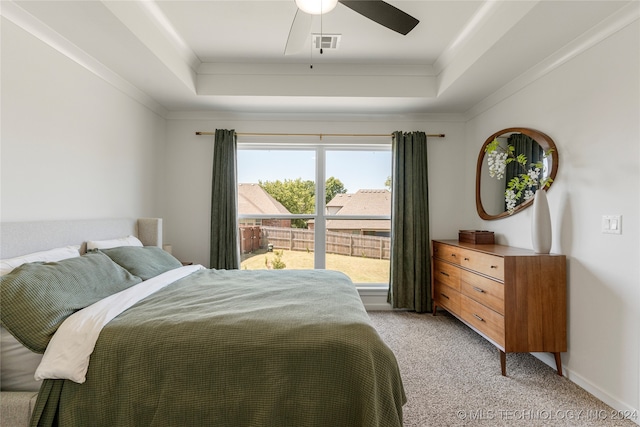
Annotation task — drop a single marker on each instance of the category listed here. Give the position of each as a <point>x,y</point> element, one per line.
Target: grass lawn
<point>360,270</point>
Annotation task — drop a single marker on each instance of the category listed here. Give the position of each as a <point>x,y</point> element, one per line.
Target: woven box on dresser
<point>479,237</point>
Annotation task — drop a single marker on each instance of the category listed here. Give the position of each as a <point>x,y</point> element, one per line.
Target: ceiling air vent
<point>325,41</point>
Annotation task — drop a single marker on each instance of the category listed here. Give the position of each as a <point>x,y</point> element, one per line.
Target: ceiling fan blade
<point>300,30</point>
<point>384,14</point>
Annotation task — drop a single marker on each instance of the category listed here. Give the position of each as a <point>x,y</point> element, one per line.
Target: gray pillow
<point>145,262</point>
<point>37,297</point>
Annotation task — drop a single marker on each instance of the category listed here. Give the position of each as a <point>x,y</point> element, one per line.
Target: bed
<point>133,338</point>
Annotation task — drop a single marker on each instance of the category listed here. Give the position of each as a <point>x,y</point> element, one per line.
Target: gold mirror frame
<point>543,141</point>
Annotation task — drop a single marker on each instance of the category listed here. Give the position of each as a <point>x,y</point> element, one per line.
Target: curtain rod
<point>388,135</point>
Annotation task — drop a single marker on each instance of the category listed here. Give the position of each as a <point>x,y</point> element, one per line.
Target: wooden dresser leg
<point>558,363</point>
<point>435,308</point>
<point>503,363</point>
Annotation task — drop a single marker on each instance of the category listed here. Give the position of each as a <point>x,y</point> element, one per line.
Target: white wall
<point>590,107</point>
<point>73,146</point>
<point>189,157</point>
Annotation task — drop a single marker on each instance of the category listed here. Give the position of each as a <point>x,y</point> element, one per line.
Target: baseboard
<point>378,307</point>
<point>596,391</point>
<point>374,299</point>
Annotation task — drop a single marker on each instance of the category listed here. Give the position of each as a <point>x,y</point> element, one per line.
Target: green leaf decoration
<point>524,183</point>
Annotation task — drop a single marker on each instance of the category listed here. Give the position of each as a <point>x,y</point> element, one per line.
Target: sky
<point>355,169</point>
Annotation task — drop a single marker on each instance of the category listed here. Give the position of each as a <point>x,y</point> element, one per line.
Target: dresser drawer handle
<point>478,317</point>
<point>443,273</point>
<point>477,289</point>
<point>444,295</point>
<point>453,255</point>
<point>466,259</point>
<point>494,266</point>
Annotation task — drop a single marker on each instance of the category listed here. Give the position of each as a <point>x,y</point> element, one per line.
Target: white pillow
<point>52,255</point>
<point>18,366</point>
<point>113,243</point>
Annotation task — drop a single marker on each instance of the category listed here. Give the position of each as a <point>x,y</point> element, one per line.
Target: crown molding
<point>149,25</point>
<point>14,13</point>
<point>616,22</point>
<point>349,69</point>
<point>313,117</point>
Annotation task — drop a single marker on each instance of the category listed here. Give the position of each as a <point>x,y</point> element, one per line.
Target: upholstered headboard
<point>20,238</point>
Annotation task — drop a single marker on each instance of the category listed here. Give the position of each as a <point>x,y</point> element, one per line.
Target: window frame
<point>320,216</point>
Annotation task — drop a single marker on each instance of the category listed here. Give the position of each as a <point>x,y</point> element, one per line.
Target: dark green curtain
<point>522,144</point>
<point>410,284</point>
<point>225,247</point>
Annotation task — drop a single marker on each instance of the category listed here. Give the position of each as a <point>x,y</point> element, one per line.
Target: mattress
<point>217,347</point>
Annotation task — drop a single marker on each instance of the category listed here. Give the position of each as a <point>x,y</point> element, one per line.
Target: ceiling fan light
<point>316,7</point>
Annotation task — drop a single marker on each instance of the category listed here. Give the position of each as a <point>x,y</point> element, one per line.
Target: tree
<point>296,195</point>
<point>333,186</point>
<point>387,183</point>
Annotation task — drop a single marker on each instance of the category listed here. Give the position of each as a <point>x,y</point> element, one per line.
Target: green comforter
<point>236,348</point>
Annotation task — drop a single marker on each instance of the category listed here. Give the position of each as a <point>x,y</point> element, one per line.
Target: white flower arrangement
<point>523,185</point>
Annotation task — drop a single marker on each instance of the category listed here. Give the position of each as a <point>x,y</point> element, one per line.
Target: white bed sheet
<point>67,355</point>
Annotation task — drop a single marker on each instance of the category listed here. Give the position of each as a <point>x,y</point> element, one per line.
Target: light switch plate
<point>612,224</point>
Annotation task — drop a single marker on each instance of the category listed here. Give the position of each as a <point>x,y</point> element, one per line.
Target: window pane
<point>361,175</point>
<point>365,259</point>
<point>274,185</point>
<point>276,182</point>
<point>276,246</point>
<point>359,184</point>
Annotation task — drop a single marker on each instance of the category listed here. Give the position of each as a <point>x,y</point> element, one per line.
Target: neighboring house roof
<point>339,200</point>
<point>363,202</point>
<point>253,199</point>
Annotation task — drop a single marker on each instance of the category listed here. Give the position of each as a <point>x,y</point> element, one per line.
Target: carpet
<point>452,377</point>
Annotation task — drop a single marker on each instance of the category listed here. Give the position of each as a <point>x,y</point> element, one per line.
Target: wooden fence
<point>299,239</point>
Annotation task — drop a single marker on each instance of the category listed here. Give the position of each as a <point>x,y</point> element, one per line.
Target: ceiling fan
<point>377,10</point>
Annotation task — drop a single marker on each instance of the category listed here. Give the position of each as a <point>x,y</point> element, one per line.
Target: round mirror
<point>513,159</point>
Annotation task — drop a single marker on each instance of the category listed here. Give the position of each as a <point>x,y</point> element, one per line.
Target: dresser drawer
<point>513,297</point>
<point>447,274</point>
<point>447,297</point>
<point>490,265</point>
<point>482,289</point>
<point>483,319</point>
<point>446,252</point>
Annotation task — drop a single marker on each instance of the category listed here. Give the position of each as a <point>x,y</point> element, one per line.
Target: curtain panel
<point>225,246</point>
<point>410,281</point>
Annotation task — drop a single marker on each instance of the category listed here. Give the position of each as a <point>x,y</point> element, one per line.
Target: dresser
<point>513,297</point>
